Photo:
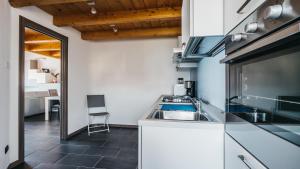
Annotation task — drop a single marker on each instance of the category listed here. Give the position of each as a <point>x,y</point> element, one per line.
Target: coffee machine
<point>190,88</point>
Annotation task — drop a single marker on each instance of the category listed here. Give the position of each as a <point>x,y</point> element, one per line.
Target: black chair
<point>96,108</point>
<point>55,104</point>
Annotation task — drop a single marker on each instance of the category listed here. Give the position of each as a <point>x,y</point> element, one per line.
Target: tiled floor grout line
<point>55,162</point>
<point>106,145</point>
<point>29,154</point>
<point>83,154</point>
<point>117,153</point>
<point>98,162</point>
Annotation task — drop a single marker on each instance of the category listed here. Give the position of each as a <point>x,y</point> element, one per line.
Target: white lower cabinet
<point>182,148</point>
<point>236,157</point>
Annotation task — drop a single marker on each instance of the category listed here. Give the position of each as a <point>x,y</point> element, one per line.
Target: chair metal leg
<point>58,114</point>
<point>89,126</point>
<point>107,121</point>
<point>50,114</point>
<point>105,125</point>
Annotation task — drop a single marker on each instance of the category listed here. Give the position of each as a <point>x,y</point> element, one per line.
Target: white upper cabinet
<point>185,22</point>
<point>237,10</point>
<point>206,17</point>
<point>201,18</point>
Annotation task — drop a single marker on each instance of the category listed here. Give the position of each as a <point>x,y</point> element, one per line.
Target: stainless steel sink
<point>178,115</point>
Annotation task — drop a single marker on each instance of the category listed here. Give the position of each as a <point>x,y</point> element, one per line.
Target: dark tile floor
<point>44,150</point>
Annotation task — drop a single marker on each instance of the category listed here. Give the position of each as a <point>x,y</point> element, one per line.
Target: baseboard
<point>124,126</point>
<point>76,132</point>
<point>110,125</point>
<point>33,115</point>
<point>14,164</point>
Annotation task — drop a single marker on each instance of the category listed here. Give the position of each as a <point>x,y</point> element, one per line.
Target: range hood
<point>201,47</point>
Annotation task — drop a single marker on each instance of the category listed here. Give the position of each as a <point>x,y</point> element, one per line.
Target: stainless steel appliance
<point>272,16</point>
<point>197,48</point>
<point>190,88</point>
<point>263,83</point>
<point>201,47</point>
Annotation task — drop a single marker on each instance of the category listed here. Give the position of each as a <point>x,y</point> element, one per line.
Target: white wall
<point>4,81</point>
<point>53,64</point>
<point>78,52</point>
<point>43,61</point>
<point>211,80</point>
<point>132,75</point>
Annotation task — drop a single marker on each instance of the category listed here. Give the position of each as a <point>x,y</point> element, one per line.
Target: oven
<point>263,83</point>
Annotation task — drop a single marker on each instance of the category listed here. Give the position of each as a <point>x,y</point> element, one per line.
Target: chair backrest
<point>94,101</point>
<point>53,92</point>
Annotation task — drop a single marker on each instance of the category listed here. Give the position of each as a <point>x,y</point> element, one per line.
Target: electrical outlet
<point>6,149</point>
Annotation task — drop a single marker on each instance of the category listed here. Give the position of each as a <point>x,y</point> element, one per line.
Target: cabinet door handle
<point>241,157</point>
<point>239,11</point>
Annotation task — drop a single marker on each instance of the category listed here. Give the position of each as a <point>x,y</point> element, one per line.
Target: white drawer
<point>236,157</point>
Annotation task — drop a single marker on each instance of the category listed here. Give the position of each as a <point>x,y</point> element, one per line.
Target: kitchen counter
<point>169,143</point>
<point>216,115</point>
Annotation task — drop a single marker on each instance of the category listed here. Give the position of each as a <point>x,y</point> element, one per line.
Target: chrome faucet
<point>255,115</point>
<point>197,104</point>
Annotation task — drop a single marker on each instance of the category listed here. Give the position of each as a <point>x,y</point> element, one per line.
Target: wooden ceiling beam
<point>51,54</point>
<point>132,34</point>
<point>120,17</point>
<point>56,54</point>
<point>43,47</point>
<point>39,38</point>
<point>22,3</point>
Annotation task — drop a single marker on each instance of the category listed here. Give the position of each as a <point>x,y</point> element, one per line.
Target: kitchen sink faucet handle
<point>255,110</point>
<point>198,105</point>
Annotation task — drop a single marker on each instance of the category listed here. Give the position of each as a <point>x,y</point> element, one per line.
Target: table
<point>47,104</point>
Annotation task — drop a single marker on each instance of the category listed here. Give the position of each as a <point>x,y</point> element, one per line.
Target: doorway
<point>43,77</point>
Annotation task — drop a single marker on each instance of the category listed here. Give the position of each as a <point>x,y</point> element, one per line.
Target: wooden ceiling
<point>39,43</point>
<point>132,18</point>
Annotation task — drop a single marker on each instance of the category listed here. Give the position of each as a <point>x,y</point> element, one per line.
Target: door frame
<point>26,23</point>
